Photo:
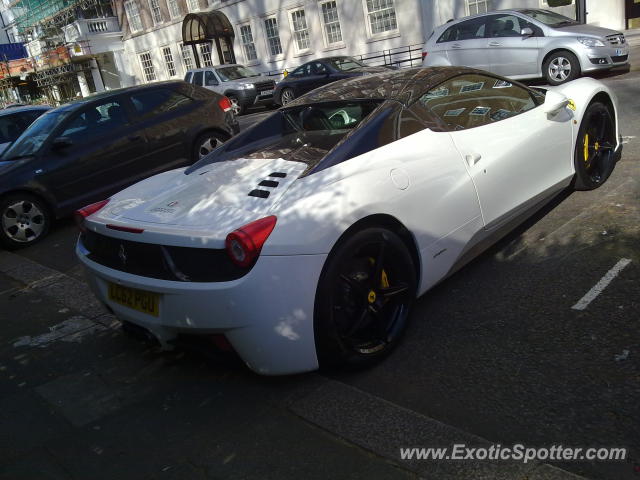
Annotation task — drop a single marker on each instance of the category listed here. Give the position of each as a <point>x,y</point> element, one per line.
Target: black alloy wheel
<point>364,297</point>
<point>595,148</point>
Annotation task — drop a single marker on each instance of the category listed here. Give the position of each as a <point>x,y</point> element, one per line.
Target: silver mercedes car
<point>526,43</point>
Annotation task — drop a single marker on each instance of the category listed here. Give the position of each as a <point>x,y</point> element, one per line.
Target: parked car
<point>86,150</point>
<point>305,240</point>
<point>14,120</point>
<point>526,43</point>
<point>319,72</point>
<point>242,85</point>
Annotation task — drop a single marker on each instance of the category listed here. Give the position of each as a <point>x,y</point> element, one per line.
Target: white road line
<point>601,285</point>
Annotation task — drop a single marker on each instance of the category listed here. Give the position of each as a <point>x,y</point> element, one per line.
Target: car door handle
<point>456,45</point>
<point>472,158</point>
<point>494,44</point>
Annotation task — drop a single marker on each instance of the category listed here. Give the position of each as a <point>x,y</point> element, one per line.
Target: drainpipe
<point>581,11</point>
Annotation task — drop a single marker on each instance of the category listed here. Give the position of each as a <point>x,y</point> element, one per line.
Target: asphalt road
<point>496,352</point>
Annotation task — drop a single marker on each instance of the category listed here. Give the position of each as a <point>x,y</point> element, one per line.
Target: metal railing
<point>400,57</point>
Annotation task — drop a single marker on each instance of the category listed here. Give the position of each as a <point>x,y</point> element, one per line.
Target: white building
<point>274,35</point>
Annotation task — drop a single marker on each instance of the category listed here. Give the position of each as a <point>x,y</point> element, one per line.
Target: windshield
<point>346,63</point>
<point>550,19</point>
<point>235,72</point>
<point>304,134</point>
<point>33,137</point>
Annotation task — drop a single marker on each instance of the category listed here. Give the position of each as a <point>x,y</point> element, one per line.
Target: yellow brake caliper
<point>586,148</point>
<point>384,282</point>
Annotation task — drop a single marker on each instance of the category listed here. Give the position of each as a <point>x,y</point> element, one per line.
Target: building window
<point>381,17</point>
<point>300,30</point>
<point>174,8</point>
<point>273,36</point>
<point>205,54</point>
<point>147,67</point>
<point>168,60</point>
<point>332,30</point>
<point>156,13</point>
<point>193,5</point>
<point>133,16</point>
<point>246,38</point>
<point>187,56</point>
<point>477,6</point>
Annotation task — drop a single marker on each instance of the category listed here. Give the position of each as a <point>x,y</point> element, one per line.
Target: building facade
<point>73,48</point>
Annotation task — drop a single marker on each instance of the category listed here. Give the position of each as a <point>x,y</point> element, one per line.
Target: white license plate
<point>266,92</point>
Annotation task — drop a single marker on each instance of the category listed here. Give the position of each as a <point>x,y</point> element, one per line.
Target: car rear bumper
<point>267,315</point>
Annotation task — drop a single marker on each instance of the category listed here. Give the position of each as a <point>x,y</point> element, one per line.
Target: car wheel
<point>364,296</point>
<point>561,67</point>
<point>594,153</point>
<point>24,219</point>
<point>235,105</point>
<point>206,143</point>
<point>287,96</point>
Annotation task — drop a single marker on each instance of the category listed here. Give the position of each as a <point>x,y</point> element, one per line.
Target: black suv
<point>86,150</point>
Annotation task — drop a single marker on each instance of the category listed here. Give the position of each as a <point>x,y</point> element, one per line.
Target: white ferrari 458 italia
<point>305,240</point>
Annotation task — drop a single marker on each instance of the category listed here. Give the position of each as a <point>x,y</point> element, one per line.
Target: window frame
<point>244,45</point>
<point>298,51</point>
<point>206,55</point>
<point>153,10</point>
<point>483,19</point>
<point>145,75</point>
<point>277,36</point>
<point>175,4</point>
<point>367,19</point>
<point>191,8</point>
<point>325,35</point>
<point>136,25</point>
<point>469,3</point>
<point>170,63</point>
<point>184,59</point>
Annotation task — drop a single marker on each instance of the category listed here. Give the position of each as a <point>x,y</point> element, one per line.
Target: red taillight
<point>244,244</point>
<point>225,104</point>
<point>84,212</point>
<point>424,55</point>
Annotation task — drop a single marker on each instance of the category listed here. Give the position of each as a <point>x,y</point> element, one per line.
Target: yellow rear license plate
<point>140,300</point>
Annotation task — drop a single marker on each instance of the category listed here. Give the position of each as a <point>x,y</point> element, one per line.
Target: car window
<point>235,72</point>
<point>10,128</point>
<point>508,26</point>
<point>210,79</point>
<point>197,78</point>
<point>301,71</point>
<point>159,100</point>
<point>95,121</point>
<point>552,19</point>
<point>469,30</point>
<point>32,139</point>
<point>29,117</point>
<point>318,68</point>
<point>473,100</point>
<point>187,77</point>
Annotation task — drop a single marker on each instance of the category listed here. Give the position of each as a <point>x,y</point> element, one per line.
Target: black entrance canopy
<point>210,26</point>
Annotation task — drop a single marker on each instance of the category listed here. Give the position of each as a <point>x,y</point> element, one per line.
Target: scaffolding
<point>49,14</point>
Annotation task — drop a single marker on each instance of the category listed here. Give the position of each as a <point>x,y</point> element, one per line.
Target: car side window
<point>10,128</point>
<point>95,121</point>
<point>210,79</point>
<point>301,71</point>
<point>187,77</point>
<point>318,68</point>
<point>469,30</point>
<point>508,26</point>
<point>197,78</point>
<point>474,100</point>
<point>154,102</point>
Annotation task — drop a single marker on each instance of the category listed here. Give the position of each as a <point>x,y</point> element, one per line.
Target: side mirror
<point>61,143</point>
<point>526,32</point>
<point>554,102</point>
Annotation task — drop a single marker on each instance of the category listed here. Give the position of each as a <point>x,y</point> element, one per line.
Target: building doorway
<point>207,27</point>
<point>632,13</point>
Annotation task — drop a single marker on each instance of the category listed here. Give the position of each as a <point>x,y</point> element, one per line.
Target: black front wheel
<point>595,148</point>
<point>364,297</point>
